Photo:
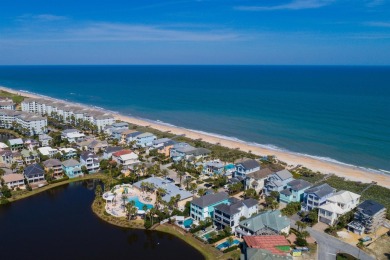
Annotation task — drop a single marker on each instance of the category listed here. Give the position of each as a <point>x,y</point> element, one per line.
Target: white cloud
<point>294,5</point>
<point>378,24</point>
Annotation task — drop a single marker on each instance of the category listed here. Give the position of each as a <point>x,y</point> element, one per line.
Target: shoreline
<point>353,173</point>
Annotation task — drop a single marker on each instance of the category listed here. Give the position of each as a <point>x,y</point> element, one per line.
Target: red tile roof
<point>268,243</point>
<point>122,152</point>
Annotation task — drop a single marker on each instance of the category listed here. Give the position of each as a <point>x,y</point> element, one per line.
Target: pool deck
<point>115,206</point>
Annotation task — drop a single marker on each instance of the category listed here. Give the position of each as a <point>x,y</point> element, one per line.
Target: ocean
<point>335,113</point>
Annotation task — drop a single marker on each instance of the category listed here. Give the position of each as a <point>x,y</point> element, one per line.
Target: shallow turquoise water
<point>139,204</point>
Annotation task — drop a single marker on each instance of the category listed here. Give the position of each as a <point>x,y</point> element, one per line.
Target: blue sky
<point>351,32</point>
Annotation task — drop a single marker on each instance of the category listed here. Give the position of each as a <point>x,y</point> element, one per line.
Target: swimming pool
<point>226,244</point>
<point>139,204</point>
<point>188,222</point>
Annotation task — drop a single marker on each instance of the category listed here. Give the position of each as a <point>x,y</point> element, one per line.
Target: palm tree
<point>180,174</point>
<point>305,234</point>
<point>187,181</point>
<point>300,225</point>
<point>230,241</point>
<point>165,173</point>
<point>201,192</point>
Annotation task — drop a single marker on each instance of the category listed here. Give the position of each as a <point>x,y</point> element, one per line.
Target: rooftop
<point>299,184</point>
<point>321,190</point>
<point>370,207</point>
<point>52,162</point>
<point>210,199</point>
<point>250,164</point>
<point>12,177</point>
<point>33,169</point>
<point>235,207</point>
<point>70,163</point>
<point>275,244</point>
<point>270,219</point>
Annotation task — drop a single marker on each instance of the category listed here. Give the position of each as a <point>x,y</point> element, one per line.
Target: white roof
<point>129,156</point>
<point>74,135</point>
<point>67,150</point>
<point>15,141</point>
<point>344,197</point>
<point>3,145</point>
<point>332,207</point>
<point>46,150</point>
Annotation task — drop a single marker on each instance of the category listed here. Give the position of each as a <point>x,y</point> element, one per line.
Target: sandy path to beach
<point>349,172</point>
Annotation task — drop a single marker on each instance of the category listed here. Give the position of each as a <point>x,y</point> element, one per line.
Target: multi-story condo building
<point>6,103</point>
<point>369,216</point>
<point>34,124</point>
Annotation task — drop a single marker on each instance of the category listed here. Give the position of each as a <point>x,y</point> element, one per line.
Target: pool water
<point>226,244</point>
<point>139,204</point>
<point>188,222</point>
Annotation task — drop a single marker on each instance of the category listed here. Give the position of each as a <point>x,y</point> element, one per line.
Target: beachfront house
<point>265,223</point>
<point>160,142</point>
<point>90,161</point>
<point>53,166</point>
<point>44,139</point>
<point>269,247</point>
<point>72,168</point>
<point>246,167</point>
<point>172,192</point>
<point>129,135</point>
<point>14,180</point>
<point>277,181</point>
<point>184,151</point>
<point>125,158</point>
<point>34,173</point>
<point>369,216</point>
<point>255,180</point>
<point>72,135</point>
<point>230,214</point>
<point>107,154</point>
<point>29,157</point>
<point>336,205</point>
<point>16,144</point>
<point>316,196</point>
<point>215,167</point>
<point>115,127</point>
<point>294,191</point>
<point>145,139</point>
<point>203,207</point>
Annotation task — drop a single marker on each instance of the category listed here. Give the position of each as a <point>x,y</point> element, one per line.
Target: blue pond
<point>139,204</point>
<point>226,244</point>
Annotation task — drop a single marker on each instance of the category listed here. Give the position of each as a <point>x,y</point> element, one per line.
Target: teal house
<point>203,207</point>
<point>72,168</point>
<point>295,191</point>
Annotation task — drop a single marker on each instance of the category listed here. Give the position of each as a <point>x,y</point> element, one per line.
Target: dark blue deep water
<point>59,224</point>
<point>338,113</point>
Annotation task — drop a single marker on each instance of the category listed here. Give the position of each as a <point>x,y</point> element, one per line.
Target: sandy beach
<point>349,172</point>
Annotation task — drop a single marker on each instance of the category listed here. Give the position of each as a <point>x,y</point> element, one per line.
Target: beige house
<point>14,180</point>
<point>55,165</point>
<point>338,204</point>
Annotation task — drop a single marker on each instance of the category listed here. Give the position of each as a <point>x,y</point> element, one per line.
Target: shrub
<point>230,249</point>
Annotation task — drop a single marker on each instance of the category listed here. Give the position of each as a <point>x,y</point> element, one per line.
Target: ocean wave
<point>224,137</point>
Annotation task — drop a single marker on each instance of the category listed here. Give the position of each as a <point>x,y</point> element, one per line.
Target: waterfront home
<point>269,247</point>
<point>7,103</point>
<point>336,205</point>
<point>29,157</point>
<point>129,135</point>
<point>316,196</point>
<point>255,180</point>
<point>16,144</point>
<point>245,167</point>
<point>48,151</point>
<point>44,139</point>
<point>165,148</point>
<point>97,146</point>
<point>72,135</point>
<point>30,124</point>
<point>277,181</point>
<point>269,222</point>
<point>90,161</point>
<point>34,173</point>
<point>369,216</point>
<point>171,190</point>
<point>145,139</point>
<point>203,207</point>
<point>294,191</point>
<point>14,180</point>
<point>230,214</point>
<point>125,158</point>
<point>109,129</point>
<point>53,166</point>
<point>68,153</point>
<point>184,151</point>
<point>72,168</point>
<point>107,154</point>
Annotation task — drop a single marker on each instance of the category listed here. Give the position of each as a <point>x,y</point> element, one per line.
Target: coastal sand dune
<point>349,172</point>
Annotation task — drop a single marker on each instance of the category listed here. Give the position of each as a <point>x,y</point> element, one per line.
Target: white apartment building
<point>35,123</point>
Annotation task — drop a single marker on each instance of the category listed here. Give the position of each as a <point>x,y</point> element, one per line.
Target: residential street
<point>329,246</point>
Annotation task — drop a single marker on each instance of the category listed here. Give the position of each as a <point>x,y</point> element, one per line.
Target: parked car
<point>365,239</point>
<point>170,179</point>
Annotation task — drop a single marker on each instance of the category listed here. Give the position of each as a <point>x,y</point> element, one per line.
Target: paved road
<point>329,246</point>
